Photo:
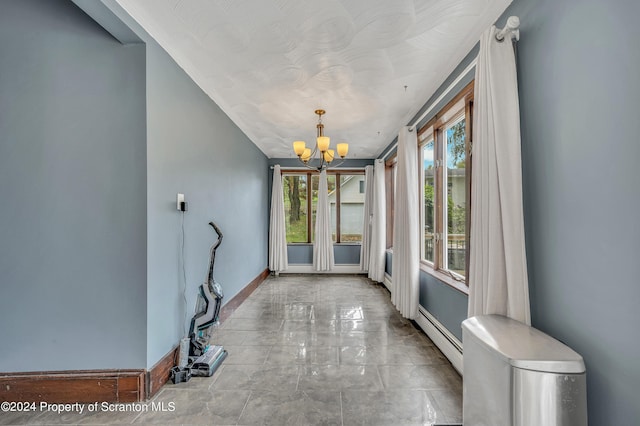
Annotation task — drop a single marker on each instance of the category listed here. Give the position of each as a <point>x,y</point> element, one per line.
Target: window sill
<point>446,279</point>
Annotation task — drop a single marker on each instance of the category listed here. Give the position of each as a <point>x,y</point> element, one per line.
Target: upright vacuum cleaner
<point>204,359</point>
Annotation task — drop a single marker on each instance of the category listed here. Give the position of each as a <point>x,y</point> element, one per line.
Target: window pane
<point>295,207</point>
<point>351,207</point>
<point>429,201</point>
<point>331,183</point>
<point>456,198</point>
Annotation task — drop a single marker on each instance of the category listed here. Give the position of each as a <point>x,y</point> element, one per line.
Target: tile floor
<point>308,350</point>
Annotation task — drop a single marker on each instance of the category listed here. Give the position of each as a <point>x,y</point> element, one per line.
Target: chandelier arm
<point>323,164</point>
<point>306,164</point>
<point>309,164</point>
<point>312,167</point>
<point>338,164</point>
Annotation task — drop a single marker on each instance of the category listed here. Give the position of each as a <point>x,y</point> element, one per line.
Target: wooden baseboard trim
<point>115,386</point>
<point>237,300</point>
<point>74,386</point>
<point>159,373</point>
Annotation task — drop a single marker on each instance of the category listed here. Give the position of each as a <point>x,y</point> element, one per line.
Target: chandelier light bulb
<point>343,149</point>
<point>329,155</point>
<point>298,147</point>
<point>323,143</point>
<point>306,155</point>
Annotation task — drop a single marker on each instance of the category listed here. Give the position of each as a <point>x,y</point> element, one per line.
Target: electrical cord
<point>184,280</point>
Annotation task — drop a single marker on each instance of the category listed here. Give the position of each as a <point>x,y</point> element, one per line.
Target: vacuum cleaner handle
<point>218,231</point>
<point>212,257</point>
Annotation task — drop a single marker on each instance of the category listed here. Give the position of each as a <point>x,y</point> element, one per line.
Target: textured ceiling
<point>371,64</point>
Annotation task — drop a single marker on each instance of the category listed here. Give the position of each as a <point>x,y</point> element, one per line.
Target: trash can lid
<point>521,345</point>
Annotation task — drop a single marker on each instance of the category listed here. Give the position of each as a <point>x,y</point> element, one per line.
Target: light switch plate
<point>179,200</point>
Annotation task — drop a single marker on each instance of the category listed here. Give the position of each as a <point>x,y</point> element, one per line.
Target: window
<point>295,207</point>
<point>351,207</point>
<point>444,146</point>
<point>346,203</point>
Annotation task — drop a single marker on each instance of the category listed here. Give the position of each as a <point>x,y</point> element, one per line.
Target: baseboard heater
<point>387,281</point>
<point>448,344</point>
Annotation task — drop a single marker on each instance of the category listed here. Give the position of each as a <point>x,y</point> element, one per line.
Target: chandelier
<point>325,156</point>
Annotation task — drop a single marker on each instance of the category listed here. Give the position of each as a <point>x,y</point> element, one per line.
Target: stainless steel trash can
<point>515,375</point>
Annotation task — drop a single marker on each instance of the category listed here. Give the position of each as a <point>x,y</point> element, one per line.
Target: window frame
<point>423,259</point>
<point>435,129</point>
<point>390,196</point>
<point>309,174</point>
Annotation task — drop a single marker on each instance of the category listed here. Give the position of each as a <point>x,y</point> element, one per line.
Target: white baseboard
<point>387,281</point>
<point>337,269</point>
<point>448,344</point>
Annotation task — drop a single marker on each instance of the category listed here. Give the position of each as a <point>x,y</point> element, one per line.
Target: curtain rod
<point>308,169</point>
<point>512,27</point>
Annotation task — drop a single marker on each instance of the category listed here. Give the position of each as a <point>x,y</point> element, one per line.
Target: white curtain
<point>277,231</point>
<point>406,228</point>
<point>378,225</point>
<point>365,247</point>
<point>323,244</point>
<point>497,265</point>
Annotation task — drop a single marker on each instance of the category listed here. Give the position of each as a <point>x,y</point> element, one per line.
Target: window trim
<point>423,259</point>
<point>390,197</point>
<point>455,119</point>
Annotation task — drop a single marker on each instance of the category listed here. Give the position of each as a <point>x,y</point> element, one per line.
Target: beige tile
<point>257,377</point>
<point>417,377</point>
<point>286,355</point>
<point>172,406</point>
<point>399,407</point>
<point>450,403</point>
<point>339,377</point>
<point>292,408</point>
<point>246,355</point>
<point>374,355</point>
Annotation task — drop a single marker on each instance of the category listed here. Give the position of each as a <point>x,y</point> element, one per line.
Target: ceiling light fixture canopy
<point>325,155</point>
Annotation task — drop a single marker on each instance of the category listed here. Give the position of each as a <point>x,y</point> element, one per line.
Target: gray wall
<point>97,139</point>
<point>72,180</point>
<point>578,80</point>
<point>195,149</point>
<point>445,303</point>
